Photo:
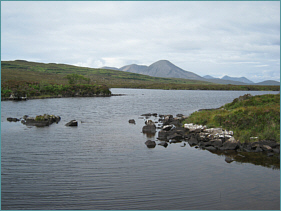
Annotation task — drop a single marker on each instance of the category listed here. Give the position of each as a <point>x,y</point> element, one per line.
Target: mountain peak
<point>162,62</point>
<point>166,69</point>
<point>165,64</point>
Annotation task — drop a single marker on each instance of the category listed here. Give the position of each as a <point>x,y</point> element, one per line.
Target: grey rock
<point>266,148</point>
<point>132,121</point>
<point>11,119</point>
<point>162,135</point>
<point>258,149</point>
<point>217,143</point>
<point>25,117</point>
<point>210,148</point>
<point>150,144</point>
<point>230,144</point>
<point>276,151</point>
<point>168,127</point>
<point>228,159</point>
<point>175,136</point>
<point>40,120</point>
<point>72,123</point>
<point>192,141</point>
<point>149,129</point>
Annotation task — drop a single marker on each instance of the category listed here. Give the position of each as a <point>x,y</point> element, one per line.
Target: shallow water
<point>104,163</point>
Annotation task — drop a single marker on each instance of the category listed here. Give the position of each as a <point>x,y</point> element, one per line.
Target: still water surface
<point>104,163</point>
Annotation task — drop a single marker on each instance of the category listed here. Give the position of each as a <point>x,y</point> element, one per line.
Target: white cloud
<point>215,38</point>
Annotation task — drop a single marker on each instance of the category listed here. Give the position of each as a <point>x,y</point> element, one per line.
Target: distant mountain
<point>240,79</point>
<point>162,68</point>
<point>166,69</point>
<point>269,82</point>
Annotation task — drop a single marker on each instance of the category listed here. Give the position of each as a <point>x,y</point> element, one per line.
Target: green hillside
<point>51,73</point>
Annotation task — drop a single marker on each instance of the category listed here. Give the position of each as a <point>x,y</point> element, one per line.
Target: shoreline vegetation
<point>251,118</point>
<point>23,90</point>
<point>33,80</point>
<point>245,130</point>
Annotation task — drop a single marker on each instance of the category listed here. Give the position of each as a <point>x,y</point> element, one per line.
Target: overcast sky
<point>208,38</point>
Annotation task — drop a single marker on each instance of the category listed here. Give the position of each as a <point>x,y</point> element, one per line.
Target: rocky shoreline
<point>171,130</point>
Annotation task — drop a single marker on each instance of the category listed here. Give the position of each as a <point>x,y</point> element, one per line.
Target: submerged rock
<point>150,144</point>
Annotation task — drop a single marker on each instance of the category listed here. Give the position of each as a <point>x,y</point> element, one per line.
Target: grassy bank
<point>247,116</point>
<point>34,72</point>
<point>41,90</point>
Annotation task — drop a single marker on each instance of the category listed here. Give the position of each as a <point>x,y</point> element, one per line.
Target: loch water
<point>104,164</point>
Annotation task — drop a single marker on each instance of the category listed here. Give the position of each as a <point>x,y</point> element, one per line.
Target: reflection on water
<point>256,158</point>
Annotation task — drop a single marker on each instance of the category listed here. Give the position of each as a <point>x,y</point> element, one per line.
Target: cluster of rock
<point>41,120</point>
<point>200,136</point>
<point>211,139</point>
<point>170,129</point>
<point>219,139</point>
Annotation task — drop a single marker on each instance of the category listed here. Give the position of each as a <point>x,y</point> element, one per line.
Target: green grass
<point>246,116</point>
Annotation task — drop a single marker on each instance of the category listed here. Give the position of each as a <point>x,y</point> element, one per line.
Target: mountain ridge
<point>166,69</point>
<point>161,68</point>
<point>241,79</point>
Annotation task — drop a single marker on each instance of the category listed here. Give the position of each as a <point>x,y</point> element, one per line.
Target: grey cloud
<point>202,37</point>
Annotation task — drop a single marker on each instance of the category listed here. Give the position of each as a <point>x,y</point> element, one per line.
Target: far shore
<point>50,97</point>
